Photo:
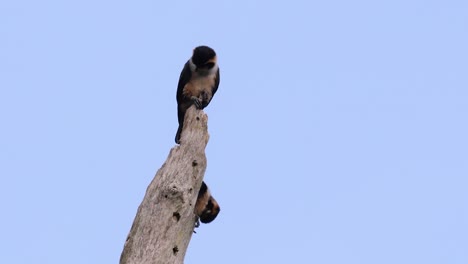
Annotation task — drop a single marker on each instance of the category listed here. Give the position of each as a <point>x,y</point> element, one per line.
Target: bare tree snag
<point>164,223</point>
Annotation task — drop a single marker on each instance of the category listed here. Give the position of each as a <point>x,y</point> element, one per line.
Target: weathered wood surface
<point>164,223</point>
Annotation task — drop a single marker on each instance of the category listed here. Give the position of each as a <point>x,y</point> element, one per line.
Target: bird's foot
<point>197,102</point>
<point>197,225</point>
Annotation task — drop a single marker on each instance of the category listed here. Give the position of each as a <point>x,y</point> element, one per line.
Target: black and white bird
<point>198,82</point>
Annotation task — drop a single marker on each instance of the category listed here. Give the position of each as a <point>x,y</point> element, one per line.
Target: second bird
<point>198,83</point>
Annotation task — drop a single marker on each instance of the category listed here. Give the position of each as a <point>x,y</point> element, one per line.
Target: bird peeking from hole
<point>206,207</point>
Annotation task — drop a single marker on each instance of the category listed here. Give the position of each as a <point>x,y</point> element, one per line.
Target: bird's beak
<point>212,60</point>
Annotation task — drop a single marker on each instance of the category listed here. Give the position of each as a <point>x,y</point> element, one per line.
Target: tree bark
<point>165,220</point>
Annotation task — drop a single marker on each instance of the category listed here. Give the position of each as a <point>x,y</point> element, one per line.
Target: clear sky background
<point>339,133</point>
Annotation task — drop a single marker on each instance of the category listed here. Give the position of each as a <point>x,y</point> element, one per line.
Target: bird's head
<point>204,58</point>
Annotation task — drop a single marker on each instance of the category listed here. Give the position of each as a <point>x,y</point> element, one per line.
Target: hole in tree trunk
<point>176,216</point>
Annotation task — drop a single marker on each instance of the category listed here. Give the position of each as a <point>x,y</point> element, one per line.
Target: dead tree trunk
<point>165,219</point>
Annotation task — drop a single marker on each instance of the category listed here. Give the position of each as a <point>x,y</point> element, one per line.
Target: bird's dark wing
<point>184,78</point>
<point>215,88</point>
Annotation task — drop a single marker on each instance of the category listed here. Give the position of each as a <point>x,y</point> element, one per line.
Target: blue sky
<point>338,133</point>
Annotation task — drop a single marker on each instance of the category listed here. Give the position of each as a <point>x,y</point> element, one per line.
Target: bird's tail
<point>177,136</point>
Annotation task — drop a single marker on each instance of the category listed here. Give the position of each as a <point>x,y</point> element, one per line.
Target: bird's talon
<point>197,102</point>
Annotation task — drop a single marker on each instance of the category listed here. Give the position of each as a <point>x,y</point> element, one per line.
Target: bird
<point>206,207</point>
<point>198,82</point>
